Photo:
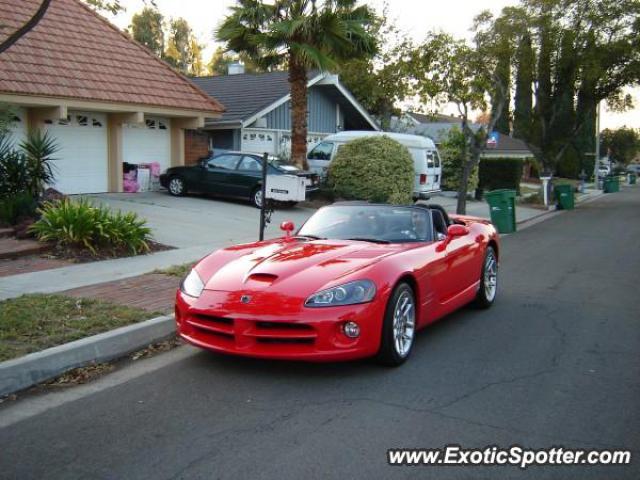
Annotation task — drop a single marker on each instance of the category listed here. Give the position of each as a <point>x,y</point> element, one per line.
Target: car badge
<point>245,298</point>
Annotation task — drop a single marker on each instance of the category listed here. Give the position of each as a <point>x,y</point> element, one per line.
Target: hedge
<point>498,173</point>
<point>376,169</point>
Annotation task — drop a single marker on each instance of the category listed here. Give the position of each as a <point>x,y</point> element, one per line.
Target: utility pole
<point>597,152</point>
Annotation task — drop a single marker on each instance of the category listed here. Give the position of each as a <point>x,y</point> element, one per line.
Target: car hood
<point>295,267</point>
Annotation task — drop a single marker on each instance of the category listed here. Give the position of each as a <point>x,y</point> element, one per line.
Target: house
<point>258,112</point>
<point>106,99</point>
<point>438,126</point>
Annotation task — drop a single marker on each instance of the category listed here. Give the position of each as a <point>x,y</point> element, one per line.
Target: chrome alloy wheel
<point>404,316</point>
<point>257,198</point>
<point>176,186</point>
<point>490,276</point>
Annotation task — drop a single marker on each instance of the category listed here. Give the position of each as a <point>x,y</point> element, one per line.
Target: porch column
<point>114,145</point>
<point>178,126</point>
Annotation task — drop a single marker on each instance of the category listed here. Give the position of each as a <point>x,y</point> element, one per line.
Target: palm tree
<point>300,35</point>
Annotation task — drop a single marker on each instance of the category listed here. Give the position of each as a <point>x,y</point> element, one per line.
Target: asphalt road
<point>556,361</point>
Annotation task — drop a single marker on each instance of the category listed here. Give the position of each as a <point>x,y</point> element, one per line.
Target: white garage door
<point>258,141</point>
<point>148,143</point>
<point>18,130</point>
<point>82,162</point>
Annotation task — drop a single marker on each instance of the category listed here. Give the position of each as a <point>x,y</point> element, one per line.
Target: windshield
<point>378,223</point>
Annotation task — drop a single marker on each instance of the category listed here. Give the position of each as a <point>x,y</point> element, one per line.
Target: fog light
<point>351,329</point>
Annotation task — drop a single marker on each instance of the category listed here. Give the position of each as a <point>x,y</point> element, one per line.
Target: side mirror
<point>287,227</point>
<point>457,230</point>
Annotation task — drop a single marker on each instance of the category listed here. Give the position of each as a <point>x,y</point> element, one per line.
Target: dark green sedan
<point>230,174</point>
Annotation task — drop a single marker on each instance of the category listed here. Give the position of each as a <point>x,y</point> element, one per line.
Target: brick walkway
<point>153,292</point>
<point>32,263</point>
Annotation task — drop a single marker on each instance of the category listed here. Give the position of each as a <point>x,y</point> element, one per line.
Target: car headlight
<point>360,291</point>
<point>192,284</point>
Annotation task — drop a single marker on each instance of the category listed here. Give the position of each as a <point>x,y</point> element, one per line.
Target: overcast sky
<point>416,17</point>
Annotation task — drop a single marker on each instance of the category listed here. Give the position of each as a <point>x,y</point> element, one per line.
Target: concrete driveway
<point>192,221</point>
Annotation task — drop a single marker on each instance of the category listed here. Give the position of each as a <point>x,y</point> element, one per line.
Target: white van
<point>426,160</point>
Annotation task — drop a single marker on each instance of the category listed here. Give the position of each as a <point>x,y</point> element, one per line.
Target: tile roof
<point>245,94</point>
<point>74,52</point>
<point>433,118</point>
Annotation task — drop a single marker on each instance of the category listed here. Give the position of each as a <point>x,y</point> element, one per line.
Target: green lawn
<point>176,270</point>
<point>34,322</point>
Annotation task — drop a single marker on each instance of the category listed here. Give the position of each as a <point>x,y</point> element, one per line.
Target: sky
<point>414,17</point>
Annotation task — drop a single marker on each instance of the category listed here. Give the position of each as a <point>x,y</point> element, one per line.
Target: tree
<point>523,111</point>
<point>146,28</point>
<point>302,35</point>
<point>177,52</point>
<point>450,71</point>
<point>381,80</point>
<point>622,145</point>
<point>112,6</point>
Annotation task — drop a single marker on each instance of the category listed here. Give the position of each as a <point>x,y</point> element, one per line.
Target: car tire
<point>399,319</point>
<point>488,280</point>
<point>256,197</point>
<point>177,187</point>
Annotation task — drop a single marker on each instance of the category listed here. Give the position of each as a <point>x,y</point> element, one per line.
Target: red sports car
<point>357,280</point>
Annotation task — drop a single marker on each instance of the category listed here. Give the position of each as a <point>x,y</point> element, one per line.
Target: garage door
<point>258,141</point>
<point>150,142</point>
<point>18,129</point>
<point>82,164</point>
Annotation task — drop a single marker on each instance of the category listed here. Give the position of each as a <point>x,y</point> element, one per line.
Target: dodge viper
<point>356,280</point>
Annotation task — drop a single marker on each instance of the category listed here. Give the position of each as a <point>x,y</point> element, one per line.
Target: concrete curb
<point>23,372</point>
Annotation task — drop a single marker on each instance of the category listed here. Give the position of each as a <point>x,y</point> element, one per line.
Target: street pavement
<point>553,363</point>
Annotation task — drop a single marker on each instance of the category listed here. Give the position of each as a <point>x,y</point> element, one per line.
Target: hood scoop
<point>262,278</point>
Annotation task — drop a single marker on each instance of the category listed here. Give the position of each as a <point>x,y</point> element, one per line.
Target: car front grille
<point>244,332</point>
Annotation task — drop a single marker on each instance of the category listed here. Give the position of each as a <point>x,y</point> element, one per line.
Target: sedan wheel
<point>399,327</point>
<point>177,187</point>
<point>256,198</point>
<point>488,280</point>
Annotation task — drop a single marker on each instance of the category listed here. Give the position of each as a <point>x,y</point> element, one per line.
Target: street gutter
<point>24,372</point>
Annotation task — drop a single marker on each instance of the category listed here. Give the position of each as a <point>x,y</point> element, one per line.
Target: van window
<point>436,157</point>
<point>430,163</point>
<point>322,151</point>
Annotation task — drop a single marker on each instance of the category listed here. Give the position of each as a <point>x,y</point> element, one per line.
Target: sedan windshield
<point>374,223</point>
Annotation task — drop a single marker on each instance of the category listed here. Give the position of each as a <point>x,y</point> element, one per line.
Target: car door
<point>218,173</point>
<point>247,175</point>
<point>460,260</point>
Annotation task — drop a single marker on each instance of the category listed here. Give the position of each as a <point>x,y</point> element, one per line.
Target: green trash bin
<point>564,197</point>
<point>632,178</point>
<point>609,185</point>
<point>615,184</point>
<point>502,205</point>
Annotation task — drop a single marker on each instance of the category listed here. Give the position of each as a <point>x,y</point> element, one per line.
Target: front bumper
<point>218,321</point>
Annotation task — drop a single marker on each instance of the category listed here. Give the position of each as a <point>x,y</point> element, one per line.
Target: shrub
<point>83,225</point>
<point>498,173</point>
<point>376,169</point>
<point>452,155</point>
<point>16,207</point>
<point>28,168</point>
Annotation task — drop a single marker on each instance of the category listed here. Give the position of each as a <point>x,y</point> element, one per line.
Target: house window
<point>48,121</point>
<point>82,120</point>
<point>162,125</point>
<point>96,123</point>
<point>150,124</point>
<point>65,121</point>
